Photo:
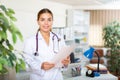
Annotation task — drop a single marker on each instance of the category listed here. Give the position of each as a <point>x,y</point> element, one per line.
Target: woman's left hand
<point>66,61</point>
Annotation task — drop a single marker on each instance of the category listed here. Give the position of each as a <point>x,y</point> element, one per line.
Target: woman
<point>42,47</point>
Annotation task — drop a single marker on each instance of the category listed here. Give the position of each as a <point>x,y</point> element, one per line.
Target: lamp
<point>89,54</point>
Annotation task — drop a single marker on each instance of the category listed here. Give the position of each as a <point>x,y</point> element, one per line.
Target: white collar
<point>40,35</point>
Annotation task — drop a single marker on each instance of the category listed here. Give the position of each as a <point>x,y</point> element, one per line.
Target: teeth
<point>46,26</point>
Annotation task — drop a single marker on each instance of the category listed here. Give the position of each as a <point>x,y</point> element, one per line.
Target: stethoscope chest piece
<point>36,54</point>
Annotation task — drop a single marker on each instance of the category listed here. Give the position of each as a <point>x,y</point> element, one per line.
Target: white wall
<point>26,14</point>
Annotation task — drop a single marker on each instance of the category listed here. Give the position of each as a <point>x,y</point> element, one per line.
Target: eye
<point>42,19</point>
<point>49,19</point>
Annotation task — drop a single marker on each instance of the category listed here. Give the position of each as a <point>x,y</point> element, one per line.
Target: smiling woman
<point>44,45</point>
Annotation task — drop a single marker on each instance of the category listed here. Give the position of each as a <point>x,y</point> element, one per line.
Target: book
<point>103,69</point>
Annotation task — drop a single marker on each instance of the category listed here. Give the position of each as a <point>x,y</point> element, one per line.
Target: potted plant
<point>8,59</point>
<point>111,36</point>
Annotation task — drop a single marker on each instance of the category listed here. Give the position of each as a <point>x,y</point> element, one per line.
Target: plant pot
<point>118,77</point>
<point>12,73</point>
<point>4,76</point>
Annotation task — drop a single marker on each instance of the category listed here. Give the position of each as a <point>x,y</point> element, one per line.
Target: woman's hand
<point>47,65</point>
<point>66,61</point>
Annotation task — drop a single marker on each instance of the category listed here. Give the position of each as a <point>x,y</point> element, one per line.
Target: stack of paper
<point>62,54</point>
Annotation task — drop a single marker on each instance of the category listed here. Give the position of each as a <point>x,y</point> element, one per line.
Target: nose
<point>46,22</point>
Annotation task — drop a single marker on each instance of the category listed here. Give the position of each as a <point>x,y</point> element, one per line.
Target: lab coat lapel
<point>48,49</point>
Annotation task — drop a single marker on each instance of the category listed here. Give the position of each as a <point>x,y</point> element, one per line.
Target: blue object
<point>77,60</point>
<point>89,53</point>
<point>96,74</point>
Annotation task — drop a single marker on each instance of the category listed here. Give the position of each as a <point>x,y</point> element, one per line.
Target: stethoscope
<point>54,35</point>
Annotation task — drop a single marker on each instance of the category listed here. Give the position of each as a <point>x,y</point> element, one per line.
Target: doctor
<point>42,47</point>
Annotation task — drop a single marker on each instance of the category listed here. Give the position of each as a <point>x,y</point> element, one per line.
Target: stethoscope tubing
<point>36,53</point>
<point>54,35</point>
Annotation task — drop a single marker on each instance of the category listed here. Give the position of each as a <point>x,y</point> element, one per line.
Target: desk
<point>67,76</point>
<point>101,77</point>
<point>26,76</point>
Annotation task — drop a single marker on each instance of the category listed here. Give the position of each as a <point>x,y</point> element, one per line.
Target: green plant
<point>111,36</point>
<point>8,28</point>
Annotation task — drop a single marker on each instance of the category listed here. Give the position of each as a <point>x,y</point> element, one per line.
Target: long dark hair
<point>44,10</point>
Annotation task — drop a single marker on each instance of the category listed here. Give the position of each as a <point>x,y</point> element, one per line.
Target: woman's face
<point>45,22</point>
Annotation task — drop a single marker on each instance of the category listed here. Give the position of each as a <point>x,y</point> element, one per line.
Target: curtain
<point>98,20</point>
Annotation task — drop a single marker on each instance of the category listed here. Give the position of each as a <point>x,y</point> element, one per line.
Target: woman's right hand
<point>47,65</point>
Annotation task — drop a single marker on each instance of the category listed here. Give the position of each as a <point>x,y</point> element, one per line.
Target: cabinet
<point>77,32</point>
<point>78,26</point>
<point>74,17</point>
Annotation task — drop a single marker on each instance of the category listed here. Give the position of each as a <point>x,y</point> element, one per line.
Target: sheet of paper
<point>62,54</point>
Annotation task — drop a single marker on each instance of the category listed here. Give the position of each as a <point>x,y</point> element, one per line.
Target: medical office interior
<point>81,22</point>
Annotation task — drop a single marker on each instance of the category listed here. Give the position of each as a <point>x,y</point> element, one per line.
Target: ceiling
<point>84,2</point>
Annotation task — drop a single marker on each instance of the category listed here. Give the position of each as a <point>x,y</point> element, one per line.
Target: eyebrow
<point>47,18</point>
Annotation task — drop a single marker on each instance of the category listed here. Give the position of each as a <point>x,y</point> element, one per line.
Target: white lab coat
<point>46,53</point>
